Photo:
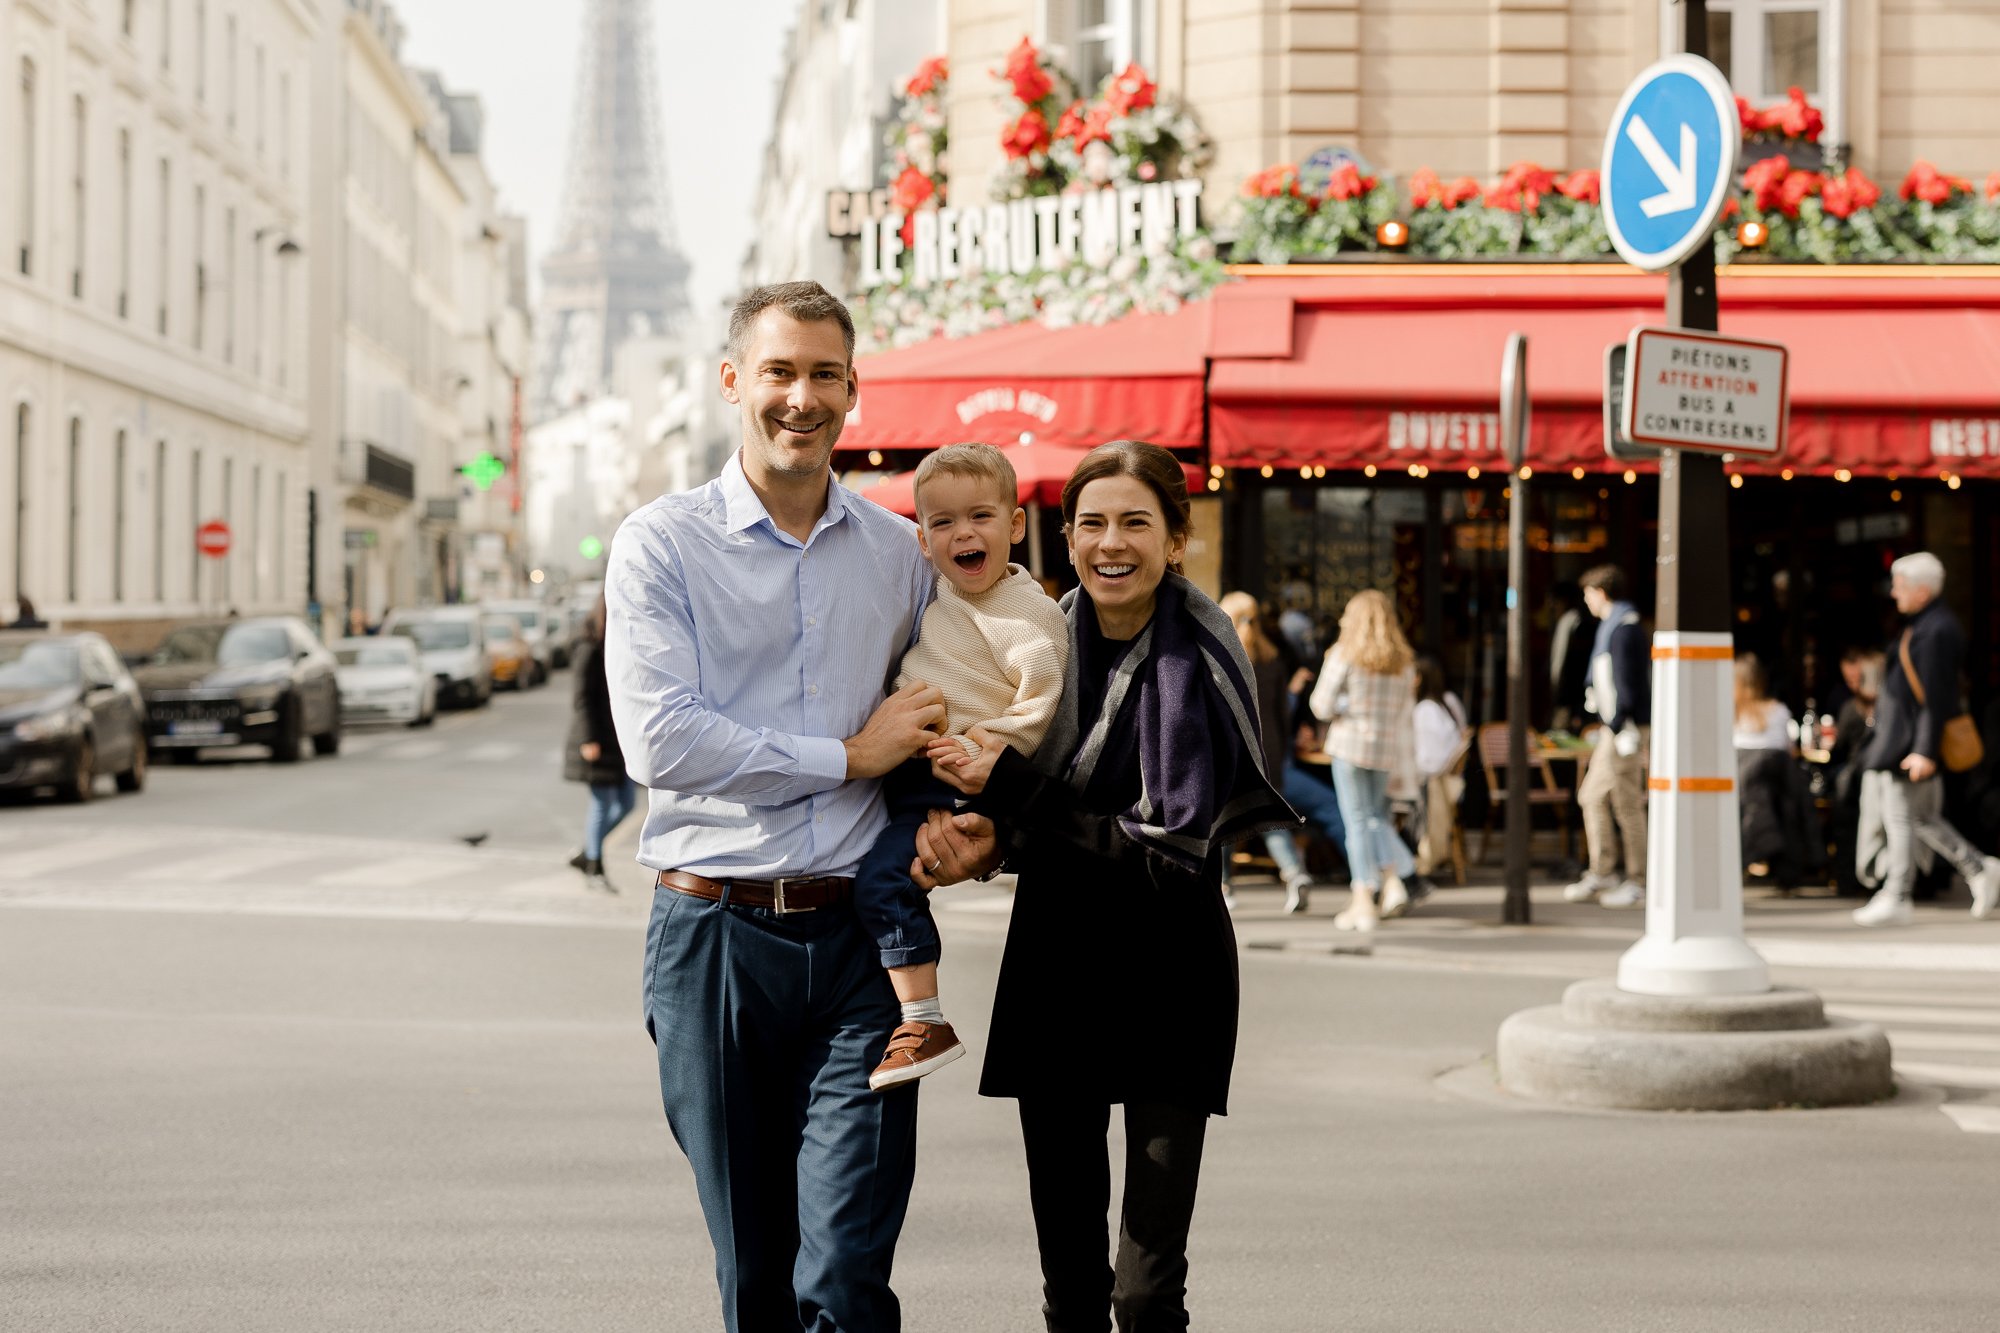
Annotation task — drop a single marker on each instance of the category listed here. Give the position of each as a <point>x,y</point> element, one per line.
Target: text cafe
<point>1342,421</point>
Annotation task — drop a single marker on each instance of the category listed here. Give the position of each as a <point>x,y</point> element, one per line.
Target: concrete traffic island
<point>1612,1048</point>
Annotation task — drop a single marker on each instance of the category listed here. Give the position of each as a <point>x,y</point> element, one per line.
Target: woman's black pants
<point>1069,1188</point>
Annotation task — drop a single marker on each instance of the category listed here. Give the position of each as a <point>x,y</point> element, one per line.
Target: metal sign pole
<point>1516,907</point>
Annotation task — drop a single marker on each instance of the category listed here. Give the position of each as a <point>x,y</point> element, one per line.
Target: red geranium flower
<point>1581,186</point>
<point>1796,117</point>
<point>1798,187</point>
<point>929,77</point>
<point>1425,188</point>
<point>1927,183</point>
<point>1130,91</point>
<point>911,190</point>
<point>1522,187</point>
<point>1842,195</point>
<point>1993,186</point>
<point>1730,208</point>
<point>1765,179</point>
<point>1751,118</point>
<point>1347,182</point>
<point>1024,70</point>
<point>1273,183</point>
<point>1460,191</point>
<point>1072,122</point>
<point>1029,134</point>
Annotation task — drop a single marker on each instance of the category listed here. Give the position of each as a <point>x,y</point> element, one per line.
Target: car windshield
<point>527,619</point>
<point>437,635</point>
<point>502,628</point>
<point>225,645</point>
<point>30,664</point>
<point>394,652</point>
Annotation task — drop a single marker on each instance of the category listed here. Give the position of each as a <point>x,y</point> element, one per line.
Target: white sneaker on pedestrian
<point>1297,893</point>
<point>1588,887</point>
<point>1629,894</point>
<point>1395,897</point>
<point>1886,908</point>
<point>1985,888</point>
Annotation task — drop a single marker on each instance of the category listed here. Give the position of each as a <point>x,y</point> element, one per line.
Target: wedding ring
<point>935,866</point>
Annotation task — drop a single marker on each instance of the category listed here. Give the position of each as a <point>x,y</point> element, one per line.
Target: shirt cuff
<point>822,763</point>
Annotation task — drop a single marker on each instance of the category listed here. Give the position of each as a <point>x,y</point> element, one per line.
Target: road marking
<point>1911,1013</point>
<point>396,873</point>
<point>1975,1042</point>
<point>235,863</point>
<point>1958,1076</point>
<point>1873,954</point>
<point>1974,1117</point>
<point>89,850</point>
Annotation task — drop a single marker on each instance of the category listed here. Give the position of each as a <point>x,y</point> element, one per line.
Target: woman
<point>1440,723</point>
<point>1775,807</point>
<point>591,754</point>
<point>1119,936</point>
<point>1365,692</point>
<point>1273,671</point>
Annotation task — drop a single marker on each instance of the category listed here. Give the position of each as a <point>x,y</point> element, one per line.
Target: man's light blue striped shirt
<point>740,658</point>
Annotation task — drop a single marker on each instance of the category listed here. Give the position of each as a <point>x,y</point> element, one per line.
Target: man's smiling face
<point>795,386</point>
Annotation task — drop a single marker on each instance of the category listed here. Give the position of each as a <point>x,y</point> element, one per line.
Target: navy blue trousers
<point>767,1028</point>
<point>890,905</point>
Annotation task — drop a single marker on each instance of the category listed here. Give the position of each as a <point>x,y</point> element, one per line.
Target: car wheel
<point>83,778</point>
<point>327,743</point>
<point>291,734</point>
<point>134,778</point>
<point>183,757</point>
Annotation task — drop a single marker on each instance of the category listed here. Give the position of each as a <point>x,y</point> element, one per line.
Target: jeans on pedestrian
<point>767,1027</point>
<point>1912,811</point>
<point>1315,800</point>
<point>1069,1192</point>
<point>887,901</point>
<point>1373,845</point>
<point>610,802</point>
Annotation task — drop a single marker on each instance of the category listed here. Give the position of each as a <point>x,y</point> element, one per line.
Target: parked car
<point>508,652</point>
<point>560,629</point>
<point>452,642</point>
<point>69,710</point>
<point>382,679</point>
<point>534,623</point>
<point>262,681</point>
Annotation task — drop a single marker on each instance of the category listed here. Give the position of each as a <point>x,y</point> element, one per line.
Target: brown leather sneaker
<point>916,1049</point>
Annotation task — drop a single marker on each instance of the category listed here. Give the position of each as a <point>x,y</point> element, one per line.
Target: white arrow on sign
<point>1678,197</point>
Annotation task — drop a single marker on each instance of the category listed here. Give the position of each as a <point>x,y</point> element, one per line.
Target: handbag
<point>1959,745</point>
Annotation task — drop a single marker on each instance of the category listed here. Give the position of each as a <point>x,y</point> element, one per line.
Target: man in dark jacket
<point>1613,792</point>
<point>1919,694</point>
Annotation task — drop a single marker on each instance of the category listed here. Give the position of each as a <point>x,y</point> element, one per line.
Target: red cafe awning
<point>1039,473</point>
<point>1892,371</point>
<point>1140,377</point>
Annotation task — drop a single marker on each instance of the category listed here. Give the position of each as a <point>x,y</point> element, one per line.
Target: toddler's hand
<point>967,773</point>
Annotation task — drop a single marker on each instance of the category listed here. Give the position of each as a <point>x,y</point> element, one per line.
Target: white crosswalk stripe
<point>1936,1037</point>
<point>70,854</point>
<point>399,872</point>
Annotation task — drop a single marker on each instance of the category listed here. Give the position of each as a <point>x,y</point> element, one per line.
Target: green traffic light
<point>590,548</point>
<point>484,470</point>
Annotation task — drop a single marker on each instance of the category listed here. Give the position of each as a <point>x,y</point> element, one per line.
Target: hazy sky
<point>718,80</point>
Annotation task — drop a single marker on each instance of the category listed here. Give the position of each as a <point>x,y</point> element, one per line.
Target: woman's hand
<point>952,847</point>
<point>591,751</point>
<point>968,773</point>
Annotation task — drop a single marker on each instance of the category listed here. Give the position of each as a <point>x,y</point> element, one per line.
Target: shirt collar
<point>742,509</point>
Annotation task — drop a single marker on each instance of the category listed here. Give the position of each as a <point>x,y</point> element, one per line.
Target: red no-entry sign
<point>212,538</point>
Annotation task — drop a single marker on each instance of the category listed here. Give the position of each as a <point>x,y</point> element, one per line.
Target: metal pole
<point>1516,909</point>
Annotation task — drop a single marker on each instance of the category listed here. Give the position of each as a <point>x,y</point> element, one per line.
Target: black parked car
<point>265,681</point>
<point>68,711</point>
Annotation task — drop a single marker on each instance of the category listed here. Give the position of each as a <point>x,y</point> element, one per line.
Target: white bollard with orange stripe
<point>1694,941</point>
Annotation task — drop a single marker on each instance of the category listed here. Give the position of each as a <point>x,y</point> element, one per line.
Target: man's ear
<point>730,392</point>
<point>1019,531</point>
<point>853,387</point>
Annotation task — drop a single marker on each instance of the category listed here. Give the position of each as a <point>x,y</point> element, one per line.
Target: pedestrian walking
<point>591,753</point>
<point>1315,801</point>
<point>24,615</point>
<point>1773,804</point>
<point>1613,791</point>
<point>753,623</point>
<point>1920,700</point>
<point>1366,693</point>
<point>1569,658</point>
<point>1117,830</point>
<point>1441,723</point>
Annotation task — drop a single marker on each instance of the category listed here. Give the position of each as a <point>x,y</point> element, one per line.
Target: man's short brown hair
<point>982,462</point>
<point>807,302</point>
<point>1608,579</point>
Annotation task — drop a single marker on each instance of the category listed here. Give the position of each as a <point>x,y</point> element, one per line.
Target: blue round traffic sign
<point>1669,161</point>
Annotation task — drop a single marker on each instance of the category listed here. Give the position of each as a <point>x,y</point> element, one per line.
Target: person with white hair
<point>1900,767</point>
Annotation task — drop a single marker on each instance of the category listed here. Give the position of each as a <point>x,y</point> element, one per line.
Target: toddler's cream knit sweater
<point>997,658</point>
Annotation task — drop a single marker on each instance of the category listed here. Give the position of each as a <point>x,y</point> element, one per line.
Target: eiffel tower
<point>615,272</point>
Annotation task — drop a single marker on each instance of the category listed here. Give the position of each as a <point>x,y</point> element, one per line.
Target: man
<point>1569,662</point>
<point>1900,764</point>
<point>1613,792</point>
<point>753,623</point>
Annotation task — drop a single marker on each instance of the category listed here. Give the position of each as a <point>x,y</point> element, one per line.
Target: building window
<point>278,539</point>
<point>1101,37</point>
<point>194,525</point>
<point>228,516</point>
<point>23,420</point>
<point>201,51</point>
<point>229,71</point>
<point>160,521</point>
<point>165,214</point>
<point>79,232</point>
<point>118,484</point>
<point>26,157</point>
<point>256,532</point>
<point>200,329</point>
<point>285,127</point>
<point>125,19</point>
<point>1769,46</point>
<point>166,35</point>
<point>283,335</point>
<point>124,222</point>
<point>257,93</point>
<point>229,299</point>
<point>72,584</point>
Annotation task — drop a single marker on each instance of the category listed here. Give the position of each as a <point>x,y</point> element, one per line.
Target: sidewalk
<point>1461,927</point>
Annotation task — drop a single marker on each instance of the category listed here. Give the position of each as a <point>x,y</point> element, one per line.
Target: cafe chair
<point>1546,793</point>
<point>1452,780</point>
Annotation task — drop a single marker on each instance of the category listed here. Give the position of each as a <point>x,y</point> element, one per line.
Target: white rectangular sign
<point>1690,390</point>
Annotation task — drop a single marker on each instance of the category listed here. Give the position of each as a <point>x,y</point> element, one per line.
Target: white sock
<point>923,1011</point>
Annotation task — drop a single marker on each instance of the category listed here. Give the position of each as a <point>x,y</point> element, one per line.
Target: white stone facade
<point>153,224</point>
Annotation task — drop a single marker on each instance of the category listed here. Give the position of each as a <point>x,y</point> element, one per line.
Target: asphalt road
<point>277,1051</point>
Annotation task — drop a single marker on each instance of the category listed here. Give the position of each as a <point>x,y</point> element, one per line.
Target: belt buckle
<point>778,900</point>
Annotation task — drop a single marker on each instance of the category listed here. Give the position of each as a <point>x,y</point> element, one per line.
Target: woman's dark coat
<point>590,720</point>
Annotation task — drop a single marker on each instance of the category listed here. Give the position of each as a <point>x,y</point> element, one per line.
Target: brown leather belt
<point>783,896</point>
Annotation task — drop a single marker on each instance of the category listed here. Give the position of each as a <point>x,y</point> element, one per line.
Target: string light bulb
<point>1751,235</point>
<point>1392,235</point>
<point>1368,471</point>
<point>1472,473</point>
<point>1630,476</point>
<point>1736,481</point>
<point>1265,472</point>
<point>875,457</point>
<point>1786,474</point>
<point>1526,472</point>
<point>1576,473</point>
